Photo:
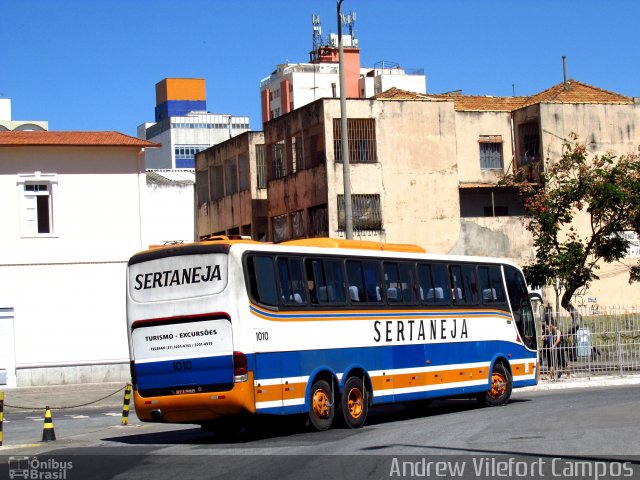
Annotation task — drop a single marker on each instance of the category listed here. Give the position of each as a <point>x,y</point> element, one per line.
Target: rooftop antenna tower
<point>317,32</point>
<point>349,19</point>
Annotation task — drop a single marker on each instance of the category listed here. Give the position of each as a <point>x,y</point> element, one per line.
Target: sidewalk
<point>57,397</point>
<point>584,382</point>
<point>92,395</point>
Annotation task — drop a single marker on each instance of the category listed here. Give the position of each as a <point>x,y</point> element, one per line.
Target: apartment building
<point>183,126</point>
<point>292,85</point>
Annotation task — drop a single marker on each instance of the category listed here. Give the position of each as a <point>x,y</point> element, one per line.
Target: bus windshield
<point>521,306</point>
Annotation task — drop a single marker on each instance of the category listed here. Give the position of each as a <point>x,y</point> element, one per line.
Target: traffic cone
<point>48,432</point>
<point>125,406</point>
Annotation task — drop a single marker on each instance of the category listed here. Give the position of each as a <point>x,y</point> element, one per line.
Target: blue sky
<point>93,65</point>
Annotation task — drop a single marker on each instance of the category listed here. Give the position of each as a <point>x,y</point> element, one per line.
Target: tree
<point>604,193</point>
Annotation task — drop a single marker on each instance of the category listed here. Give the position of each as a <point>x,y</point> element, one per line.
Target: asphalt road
<point>555,432</point>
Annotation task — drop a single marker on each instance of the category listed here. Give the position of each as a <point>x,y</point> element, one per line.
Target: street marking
<point>77,416</point>
<point>111,414</point>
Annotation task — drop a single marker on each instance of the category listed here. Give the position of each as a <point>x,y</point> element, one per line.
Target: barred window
<point>280,228</point>
<point>297,162</point>
<point>529,143</point>
<point>261,167</point>
<point>279,161</point>
<point>490,152</point>
<point>362,140</point>
<point>318,221</point>
<point>297,224</point>
<point>366,212</point>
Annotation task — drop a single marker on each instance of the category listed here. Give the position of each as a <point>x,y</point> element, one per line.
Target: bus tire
<point>321,406</point>
<point>354,404</point>
<point>501,386</point>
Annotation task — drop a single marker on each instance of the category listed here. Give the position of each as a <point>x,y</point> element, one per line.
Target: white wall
<point>67,289</point>
<point>168,214</point>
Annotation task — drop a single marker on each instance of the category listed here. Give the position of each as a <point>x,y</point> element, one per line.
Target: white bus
<point>322,327</point>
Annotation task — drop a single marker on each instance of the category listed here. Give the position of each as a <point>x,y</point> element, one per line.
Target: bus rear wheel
<point>322,407</point>
<point>501,386</point>
<point>354,403</point>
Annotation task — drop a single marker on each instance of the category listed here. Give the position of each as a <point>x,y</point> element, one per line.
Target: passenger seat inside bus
<point>489,294</point>
<point>353,293</point>
<point>392,294</point>
<point>325,294</point>
<point>435,294</point>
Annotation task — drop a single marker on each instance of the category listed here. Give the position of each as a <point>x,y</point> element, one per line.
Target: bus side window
<point>470,283</point>
<point>326,281</point>
<point>373,281</point>
<point>391,282</point>
<point>491,285</point>
<point>292,281</point>
<point>317,284</point>
<point>434,288</point>
<point>262,277</point>
<point>464,281</point>
<point>355,279</point>
<point>408,282</point>
<point>399,282</point>
<point>334,274</point>
<point>457,285</point>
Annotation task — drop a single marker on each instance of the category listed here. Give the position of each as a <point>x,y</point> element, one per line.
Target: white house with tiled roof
<point>71,217</point>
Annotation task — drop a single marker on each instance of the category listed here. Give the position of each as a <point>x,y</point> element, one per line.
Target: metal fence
<point>607,341</point>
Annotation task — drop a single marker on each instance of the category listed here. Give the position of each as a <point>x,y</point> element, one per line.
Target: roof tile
<point>574,92</point>
<point>72,138</point>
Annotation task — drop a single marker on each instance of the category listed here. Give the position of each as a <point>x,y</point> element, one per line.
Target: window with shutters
<point>37,209</point>
<point>490,152</point>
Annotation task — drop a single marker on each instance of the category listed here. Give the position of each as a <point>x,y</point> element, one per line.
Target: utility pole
<point>348,210</point>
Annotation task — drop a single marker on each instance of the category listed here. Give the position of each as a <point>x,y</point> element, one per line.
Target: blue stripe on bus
<point>270,365</point>
<point>185,372</point>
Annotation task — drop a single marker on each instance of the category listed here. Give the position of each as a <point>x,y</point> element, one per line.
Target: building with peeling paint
<point>424,169</point>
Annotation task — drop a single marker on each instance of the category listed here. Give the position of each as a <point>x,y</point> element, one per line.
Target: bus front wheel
<point>354,403</point>
<point>322,407</point>
<point>501,386</point>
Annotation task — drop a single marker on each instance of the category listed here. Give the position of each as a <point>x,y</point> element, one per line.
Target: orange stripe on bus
<point>423,379</point>
<point>273,393</point>
<point>521,370</point>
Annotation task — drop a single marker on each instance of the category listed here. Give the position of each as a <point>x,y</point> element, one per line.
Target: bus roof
<point>360,244</point>
<point>222,243</point>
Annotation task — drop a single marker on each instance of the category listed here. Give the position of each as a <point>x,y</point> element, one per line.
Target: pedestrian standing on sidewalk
<point>552,351</point>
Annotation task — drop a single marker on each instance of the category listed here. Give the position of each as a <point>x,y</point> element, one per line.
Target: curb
<point>593,382</point>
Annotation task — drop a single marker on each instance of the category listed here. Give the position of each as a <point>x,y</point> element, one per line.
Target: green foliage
<point>605,190</point>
